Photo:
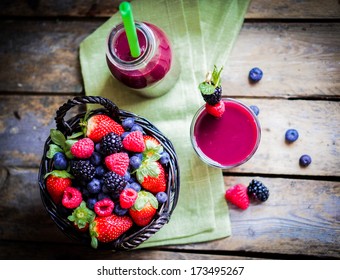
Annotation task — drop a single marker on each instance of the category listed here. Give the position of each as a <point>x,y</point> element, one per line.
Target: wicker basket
<point>136,235</point>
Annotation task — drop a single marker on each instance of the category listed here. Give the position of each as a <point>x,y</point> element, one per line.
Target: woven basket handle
<point>80,100</point>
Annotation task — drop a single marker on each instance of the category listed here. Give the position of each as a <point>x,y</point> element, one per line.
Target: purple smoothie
<point>227,141</point>
<point>150,67</point>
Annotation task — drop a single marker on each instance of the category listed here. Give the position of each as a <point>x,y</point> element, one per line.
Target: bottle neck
<point>117,45</point>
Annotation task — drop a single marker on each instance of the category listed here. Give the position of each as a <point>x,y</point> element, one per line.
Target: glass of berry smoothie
<point>228,141</point>
<point>154,72</point>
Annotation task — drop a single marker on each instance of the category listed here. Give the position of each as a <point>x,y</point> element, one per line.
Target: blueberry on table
<point>291,135</point>
<point>305,160</point>
<point>255,109</point>
<point>255,74</point>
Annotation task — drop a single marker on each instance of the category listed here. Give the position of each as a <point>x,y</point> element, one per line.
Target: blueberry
<point>305,160</point>
<point>124,134</point>
<point>128,123</point>
<point>134,185</point>
<point>255,74</point>
<point>127,176</point>
<point>255,109</point>
<point>165,158</point>
<point>100,171</point>
<point>162,197</point>
<point>291,135</point>
<point>94,186</point>
<point>135,162</point>
<point>97,147</point>
<point>137,127</point>
<point>96,158</point>
<point>60,161</point>
<point>91,201</point>
<point>119,211</point>
<point>102,195</point>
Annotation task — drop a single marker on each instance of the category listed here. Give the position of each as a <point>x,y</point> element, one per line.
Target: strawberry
<point>134,142</point>
<point>81,217</point>
<point>71,198</point>
<point>83,148</point>
<point>97,126</point>
<point>238,196</point>
<point>118,163</point>
<point>104,207</point>
<point>153,147</point>
<point>127,198</point>
<point>144,209</point>
<point>56,183</point>
<point>109,228</point>
<point>215,110</point>
<point>151,176</point>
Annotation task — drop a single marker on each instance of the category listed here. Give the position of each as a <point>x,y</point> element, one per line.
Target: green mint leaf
<point>75,135</point>
<point>53,149</point>
<point>216,76</point>
<point>206,88</point>
<point>57,137</point>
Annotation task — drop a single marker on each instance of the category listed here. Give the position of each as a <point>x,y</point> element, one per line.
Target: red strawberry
<point>153,147</point>
<point>107,229</point>
<point>83,148</point>
<point>237,195</point>
<point>81,217</point>
<point>71,198</point>
<point>215,110</point>
<point>134,142</point>
<point>151,176</point>
<point>100,125</point>
<point>127,198</point>
<point>144,209</point>
<point>118,163</point>
<point>56,183</point>
<point>104,207</point>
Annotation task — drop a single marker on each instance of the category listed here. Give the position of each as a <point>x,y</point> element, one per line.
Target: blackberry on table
<point>111,143</point>
<point>258,190</point>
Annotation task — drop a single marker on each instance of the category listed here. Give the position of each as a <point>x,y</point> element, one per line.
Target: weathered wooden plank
<point>266,9</point>
<point>25,122</point>
<point>298,59</point>
<point>58,251</point>
<point>300,217</point>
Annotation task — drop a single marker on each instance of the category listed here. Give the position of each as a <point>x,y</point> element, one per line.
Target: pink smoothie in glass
<point>153,64</point>
<point>227,141</point>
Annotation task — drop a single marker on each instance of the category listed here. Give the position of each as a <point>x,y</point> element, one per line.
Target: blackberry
<point>114,183</point>
<point>213,98</point>
<point>83,170</point>
<point>258,190</point>
<point>111,143</point>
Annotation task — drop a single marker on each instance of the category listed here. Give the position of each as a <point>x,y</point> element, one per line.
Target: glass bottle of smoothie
<point>228,141</point>
<point>151,74</point>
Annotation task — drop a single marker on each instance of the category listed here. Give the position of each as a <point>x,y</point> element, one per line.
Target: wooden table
<point>295,43</point>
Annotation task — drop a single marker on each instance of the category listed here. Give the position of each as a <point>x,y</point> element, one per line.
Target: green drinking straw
<point>130,28</point>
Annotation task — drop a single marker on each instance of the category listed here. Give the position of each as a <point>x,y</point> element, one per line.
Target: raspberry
<point>215,110</point>
<point>83,148</point>
<point>127,198</point>
<point>237,195</point>
<point>71,198</point>
<point>104,207</point>
<point>258,190</point>
<point>117,163</point>
<point>134,142</point>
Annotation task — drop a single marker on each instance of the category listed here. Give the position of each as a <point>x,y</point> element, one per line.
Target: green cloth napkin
<point>202,34</point>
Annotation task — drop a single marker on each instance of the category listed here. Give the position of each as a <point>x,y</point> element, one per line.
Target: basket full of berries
<point>108,178</point>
